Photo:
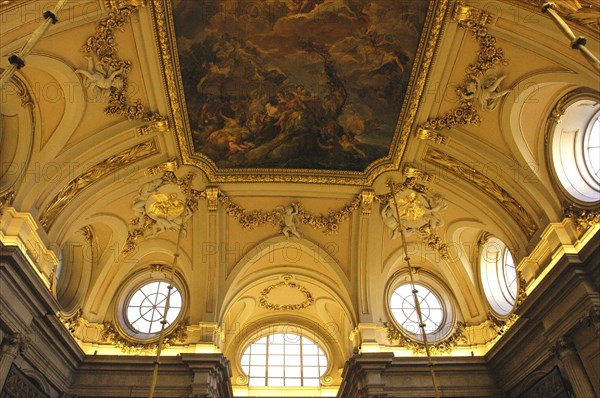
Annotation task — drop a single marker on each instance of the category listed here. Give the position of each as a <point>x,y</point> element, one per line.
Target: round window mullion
<point>406,316</point>
<point>143,320</point>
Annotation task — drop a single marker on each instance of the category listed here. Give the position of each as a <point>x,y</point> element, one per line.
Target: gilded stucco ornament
<point>399,338</point>
<point>111,335</point>
<point>161,205</point>
<point>418,211</point>
<point>263,298</point>
<point>481,87</point>
<point>485,184</point>
<point>92,175</point>
<point>108,76</point>
<point>583,218</point>
<point>6,200</point>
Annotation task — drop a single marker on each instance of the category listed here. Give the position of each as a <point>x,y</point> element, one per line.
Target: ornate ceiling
<point>270,130</point>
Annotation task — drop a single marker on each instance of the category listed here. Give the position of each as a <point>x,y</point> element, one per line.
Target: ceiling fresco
<point>295,84</point>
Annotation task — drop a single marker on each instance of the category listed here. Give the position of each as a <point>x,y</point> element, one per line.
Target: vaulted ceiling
<point>271,130</point>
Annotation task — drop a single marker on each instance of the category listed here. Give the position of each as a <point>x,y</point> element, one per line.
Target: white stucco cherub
<point>288,222</point>
<point>485,90</point>
<point>98,80</point>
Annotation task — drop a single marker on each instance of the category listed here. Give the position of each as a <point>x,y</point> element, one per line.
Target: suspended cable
<point>17,60</point>
<point>161,335</point>
<point>414,291</point>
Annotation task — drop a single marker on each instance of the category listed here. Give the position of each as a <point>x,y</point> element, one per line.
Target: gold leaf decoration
<point>485,184</point>
<point>92,175</point>
<point>6,200</point>
<point>583,218</point>
<point>104,46</point>
<point>263,298</point>
<point>111,335</point>
<point>488,57</point>
<point>399,338</point>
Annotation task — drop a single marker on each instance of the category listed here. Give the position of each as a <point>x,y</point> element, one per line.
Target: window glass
<point>498,276</point>
<point>146,307</point>
<point>284,360</point>
<point>402,306</point>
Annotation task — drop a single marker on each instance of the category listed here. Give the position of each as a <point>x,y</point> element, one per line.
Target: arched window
<point>498,276</point>
<point>575,147</point>
<point>284,359</point>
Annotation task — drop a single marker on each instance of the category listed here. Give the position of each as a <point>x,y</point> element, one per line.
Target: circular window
<point>140,310</point>
<point>402,306</point>
<point>438,311</point>
<point>575,148</point>
<point>145,309</point>
<point>284,360</point>
<point>498,276</point>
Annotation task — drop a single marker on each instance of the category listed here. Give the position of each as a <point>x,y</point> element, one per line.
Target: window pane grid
<point>145,309</point>
<point>402,306</point>
<point>284,360</point>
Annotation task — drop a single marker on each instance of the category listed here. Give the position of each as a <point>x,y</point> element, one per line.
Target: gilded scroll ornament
<point>482,182</point>
<point>424,134</point>
<point>107,76</point>
<point>111,335</point>
<point>583,218</point>
<point>399,338</point>
<point>263,298</point>
<point>92,175</point>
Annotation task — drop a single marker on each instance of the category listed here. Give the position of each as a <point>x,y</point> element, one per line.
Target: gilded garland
<point>108,75</point>
<point>111,335</point>
<point>397,337</point>
<point>583,218</point>
<point>264,302</point>
<point>481,85</point>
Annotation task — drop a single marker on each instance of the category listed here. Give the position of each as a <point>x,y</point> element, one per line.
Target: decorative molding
<point>465,14</point>
<point>6,200</point>
<point>501,325</point>
<point>522,293</point>
<point>366,201</point>
<point>162,168</point>
<point>165,34</point>
<point>592,318</point>
<point>329,223</point>
<point>430,135</point>
<point>481,86</point>
<point>92,175</point>
<point>397,337</point>
<point>109,66</point>
<point>212,197</point>
<point>485,184</point>
<point>160,126</point>
<point>111,335</point>
<point>413,172</point>
<point>263,298</point>
<point>583,218</point>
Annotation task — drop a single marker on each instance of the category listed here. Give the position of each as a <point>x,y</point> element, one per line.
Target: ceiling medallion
<point>321,93</point>
<point>264,302</point>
